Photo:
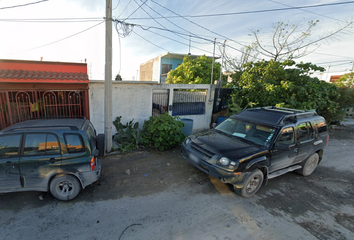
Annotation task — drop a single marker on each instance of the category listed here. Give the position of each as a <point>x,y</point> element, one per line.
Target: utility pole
<point>108,79</point>
<point>212,71</point>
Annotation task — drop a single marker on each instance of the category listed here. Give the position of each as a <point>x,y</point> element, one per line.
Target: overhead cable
<point>251,12</point>
<point>62,38</point>
<point>23,5</point>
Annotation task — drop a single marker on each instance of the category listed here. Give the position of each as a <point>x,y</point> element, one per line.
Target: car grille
<point>202,150</point>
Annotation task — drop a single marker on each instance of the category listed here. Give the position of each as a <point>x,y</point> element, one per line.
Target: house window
<point>166,68</point>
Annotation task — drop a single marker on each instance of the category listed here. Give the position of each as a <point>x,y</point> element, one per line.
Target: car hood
<point>227,146</point>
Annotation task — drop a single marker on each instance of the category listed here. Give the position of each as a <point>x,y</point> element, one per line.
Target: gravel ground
<point>158,195</point>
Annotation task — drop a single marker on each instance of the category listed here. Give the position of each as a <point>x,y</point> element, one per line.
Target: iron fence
<point>18,106</point>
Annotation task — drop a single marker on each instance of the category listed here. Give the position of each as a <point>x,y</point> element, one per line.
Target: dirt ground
<point>321,205</point>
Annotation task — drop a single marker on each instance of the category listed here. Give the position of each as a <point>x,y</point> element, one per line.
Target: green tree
<point>194,71</point>
<point>347,80</point>
<point>285,84</point>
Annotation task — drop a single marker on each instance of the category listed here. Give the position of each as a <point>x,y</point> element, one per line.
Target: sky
<point>74,30</point>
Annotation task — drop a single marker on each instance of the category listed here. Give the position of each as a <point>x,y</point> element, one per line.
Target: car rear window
<point>91,134</point>
<point>74,143</point>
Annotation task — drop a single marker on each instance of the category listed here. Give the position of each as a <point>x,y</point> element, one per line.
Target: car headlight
<point>224,161</point>
<point>187,141</point>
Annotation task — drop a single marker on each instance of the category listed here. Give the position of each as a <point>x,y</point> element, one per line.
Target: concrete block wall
<point>133,100</point>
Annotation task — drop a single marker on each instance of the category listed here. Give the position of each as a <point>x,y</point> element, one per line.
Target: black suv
<point>258,144</point>
<point>56,155</point>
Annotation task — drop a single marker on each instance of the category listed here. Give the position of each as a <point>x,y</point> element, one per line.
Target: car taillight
<point>93,163</point>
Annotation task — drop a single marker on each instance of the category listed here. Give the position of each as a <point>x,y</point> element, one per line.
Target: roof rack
<point>291,113</point>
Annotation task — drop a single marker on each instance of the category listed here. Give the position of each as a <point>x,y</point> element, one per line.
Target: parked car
<point>56,155</point>
<point>255,145</point>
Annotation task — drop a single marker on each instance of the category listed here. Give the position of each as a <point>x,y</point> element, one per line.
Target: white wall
<point>133,100</point>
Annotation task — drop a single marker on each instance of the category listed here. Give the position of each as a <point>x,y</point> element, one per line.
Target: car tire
<point>252,184</point>
<point>101,145</point>
<point>65,187</point>
<point>309,165</point>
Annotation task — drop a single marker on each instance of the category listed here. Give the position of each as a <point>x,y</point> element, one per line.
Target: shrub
<point>162,132</point>
<point>127,137</point>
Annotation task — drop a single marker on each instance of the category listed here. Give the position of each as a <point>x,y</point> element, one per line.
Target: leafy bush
<point>128,137</point>
<point>284,84</point>
<point>162,132</point>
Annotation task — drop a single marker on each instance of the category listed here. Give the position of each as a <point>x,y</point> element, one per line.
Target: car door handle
<point>9,163</point>
<point>52,160</point>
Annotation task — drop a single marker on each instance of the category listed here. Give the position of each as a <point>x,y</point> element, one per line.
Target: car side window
<point>40,144</point>
<point>286,136</point>
<point>304,132</point>
<point>74,143</point>
<point>9,145</point>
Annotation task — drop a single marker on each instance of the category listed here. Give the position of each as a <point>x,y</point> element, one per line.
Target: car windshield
<point>256,133</point>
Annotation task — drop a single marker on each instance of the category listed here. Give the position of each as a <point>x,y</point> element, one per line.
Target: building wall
<point>175,62</point>
<point>150,69</point>
<point>133,100</point>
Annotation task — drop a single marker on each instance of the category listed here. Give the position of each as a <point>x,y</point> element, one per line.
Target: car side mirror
<point>283,146</point>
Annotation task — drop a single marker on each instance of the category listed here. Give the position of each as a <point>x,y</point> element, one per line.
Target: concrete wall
<point>133,100</point>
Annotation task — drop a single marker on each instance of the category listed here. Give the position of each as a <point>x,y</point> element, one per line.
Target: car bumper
<point>196,159</point>
<point>88,178</point>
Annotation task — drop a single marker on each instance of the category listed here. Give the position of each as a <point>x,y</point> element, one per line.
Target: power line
<point>23,5</point>
<point>250,12</point>
<point>179,42</point>
<point>307,11</point>
<point>61,39</point>
<point>152,43</point>
<point>168,21</point>
<point>135,10</point>
<point>51,20</point>
<point>199,25</point>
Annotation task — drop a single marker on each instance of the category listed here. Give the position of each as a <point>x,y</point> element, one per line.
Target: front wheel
<point>65,188</point>
<point>309,165</point>
<point>252,184</point>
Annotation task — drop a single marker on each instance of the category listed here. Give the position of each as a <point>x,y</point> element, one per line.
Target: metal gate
<point>18,106</point>
<point>160,100</point>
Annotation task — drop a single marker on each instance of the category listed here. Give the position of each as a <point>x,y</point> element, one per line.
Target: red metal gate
<point>18,106</point>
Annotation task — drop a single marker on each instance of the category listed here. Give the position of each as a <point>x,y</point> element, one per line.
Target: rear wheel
<point>100,144</point>
<point>252,184</point>
<point>309,165</point>
<point>65,188</point>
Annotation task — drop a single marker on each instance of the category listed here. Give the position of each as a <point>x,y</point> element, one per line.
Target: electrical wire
<point>179,41</point>
<point>23,5</point>
<point>61,39</point>
<point>306,11</point>
<point>251,12</point>
<point>116,5</point>
<point>124,9</point>
<point>200,25</point>
<point>190,33</point>
<point>152,42</point>
<point>53,20</point>
<point>135,10</point>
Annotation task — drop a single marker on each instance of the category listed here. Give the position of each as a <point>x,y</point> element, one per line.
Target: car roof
<point>274,115</point>
<point>73,124</point>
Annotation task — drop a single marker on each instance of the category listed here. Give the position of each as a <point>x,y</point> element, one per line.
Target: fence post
<point>170,100</point>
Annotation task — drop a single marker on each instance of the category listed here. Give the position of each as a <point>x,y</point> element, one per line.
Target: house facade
<point>157,68</point>
<point>40,89</point>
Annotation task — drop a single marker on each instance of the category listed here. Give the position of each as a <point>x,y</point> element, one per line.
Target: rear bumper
<point>88,178</point>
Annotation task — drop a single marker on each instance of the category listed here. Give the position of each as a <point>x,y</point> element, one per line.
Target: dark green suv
<point>56,155</point>
<point>259,144</point>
